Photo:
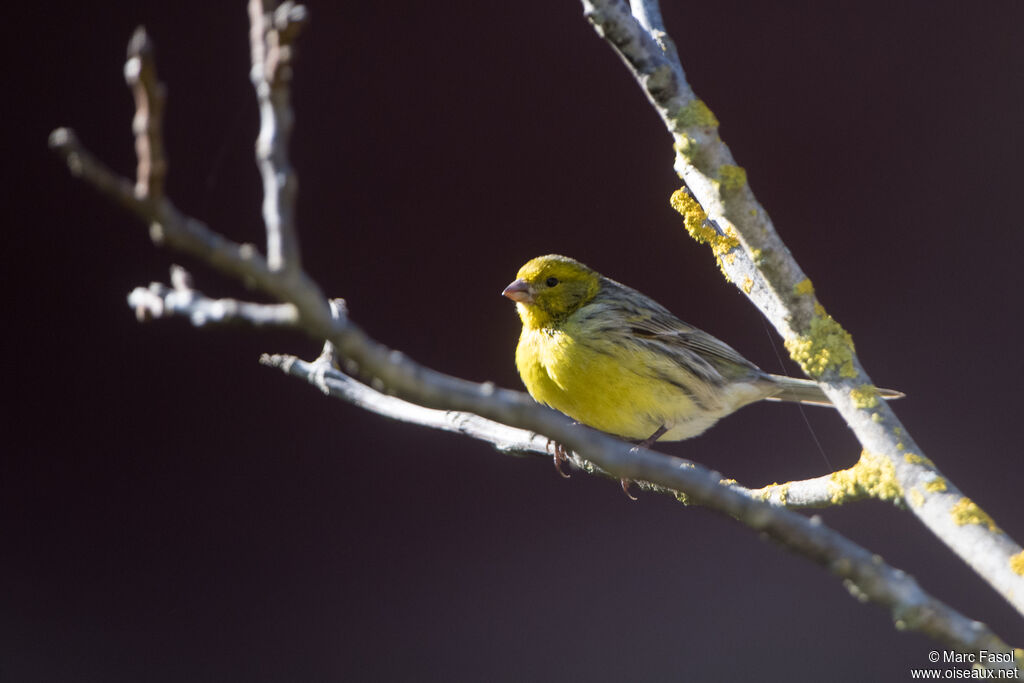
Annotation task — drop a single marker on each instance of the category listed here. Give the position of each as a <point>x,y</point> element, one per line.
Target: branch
<point>337,384</point>
<point>169,227</point>
<point>150,96</point>
<point>160,301</point>
<point>417,384</point>
<point>273,30</point>
<point>866,575</point>
<point>750,252</point>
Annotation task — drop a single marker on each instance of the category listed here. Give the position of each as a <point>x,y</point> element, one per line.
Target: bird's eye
<point>551,281</point>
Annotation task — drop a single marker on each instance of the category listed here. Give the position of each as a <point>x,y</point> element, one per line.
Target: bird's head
<point>548,289</point>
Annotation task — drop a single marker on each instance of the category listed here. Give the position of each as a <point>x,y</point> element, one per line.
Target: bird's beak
<point>518,291</point>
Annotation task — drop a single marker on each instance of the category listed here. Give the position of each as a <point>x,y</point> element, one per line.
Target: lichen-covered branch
<point>720,209</point>
<point>304,306</point>
<point>867,575</point>
<point>867,479</point>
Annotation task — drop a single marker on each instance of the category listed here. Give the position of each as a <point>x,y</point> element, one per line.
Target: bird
<point>616,360</point>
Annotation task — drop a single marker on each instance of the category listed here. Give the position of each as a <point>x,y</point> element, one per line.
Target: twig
<point>150,95</point>
<point>273,30</point>
<point>753,256</point>
<point>169,227</point>
<point>335,383</point>
<point>160,301</point>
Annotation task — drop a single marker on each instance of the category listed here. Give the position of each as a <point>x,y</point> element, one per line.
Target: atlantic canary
<point>614,359</point>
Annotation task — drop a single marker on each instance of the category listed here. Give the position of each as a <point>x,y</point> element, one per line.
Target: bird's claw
<point>625,488</point>
<point>561,455</point>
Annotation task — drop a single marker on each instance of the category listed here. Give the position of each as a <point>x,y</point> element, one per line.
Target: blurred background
<point>173,511</point>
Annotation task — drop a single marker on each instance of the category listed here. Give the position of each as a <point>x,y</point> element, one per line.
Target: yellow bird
<point>614,359</point>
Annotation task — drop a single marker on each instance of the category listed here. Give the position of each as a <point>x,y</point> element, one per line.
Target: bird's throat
<point>533,317</point>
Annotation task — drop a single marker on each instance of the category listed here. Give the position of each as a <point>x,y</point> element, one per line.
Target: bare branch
<point>273,30</point>
<point>753,256</point>
<point>150,96</point>
<point>339,385</point>
<point>648,13</point>
<point>169,227</point>
<point>160,301</point>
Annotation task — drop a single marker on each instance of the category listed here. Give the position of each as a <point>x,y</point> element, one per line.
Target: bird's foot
<point>560,455</point>
<point>646,443</point>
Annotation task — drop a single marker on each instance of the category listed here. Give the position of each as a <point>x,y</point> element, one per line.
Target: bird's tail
<point>806,391</point>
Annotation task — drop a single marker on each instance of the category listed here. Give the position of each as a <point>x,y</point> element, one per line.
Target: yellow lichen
<point>1017,563</point>
<point>865,396</point>
<point>696,113</point>
<point>935,485</point>
<point>691,211</point>
<point>758,256</point>
<point>686,148</point>
<point>915,459</point>
<point>684,143</point>
<point>916,498</point>
<point>783,494</point>
<point>748,285</point>
<point>872,477</point>
<point>696,223</point>
<point>805,286</point>
<point>900,446</point>
<point>828,346</point>
<point>875,417</point>
<point>727,482</point>
<point>731,177</point>
<point>966,511</point>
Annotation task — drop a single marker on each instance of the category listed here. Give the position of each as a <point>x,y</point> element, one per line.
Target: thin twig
<point>170,227</point>
<point>150,95</point>
<point>337,384</point>
<point>273,30</point>
<point>160,301</point>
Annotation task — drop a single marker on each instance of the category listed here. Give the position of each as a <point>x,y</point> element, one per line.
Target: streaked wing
<point>654,322</point>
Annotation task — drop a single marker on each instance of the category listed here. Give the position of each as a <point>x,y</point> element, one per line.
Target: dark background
<point>172,511</point>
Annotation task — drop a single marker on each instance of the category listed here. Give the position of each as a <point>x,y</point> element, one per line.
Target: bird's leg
<point>646,443</point>
<point>649,441</point>
<point>561,455</point>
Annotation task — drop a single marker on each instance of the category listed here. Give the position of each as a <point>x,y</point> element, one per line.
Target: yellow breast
<point>622,391</point>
